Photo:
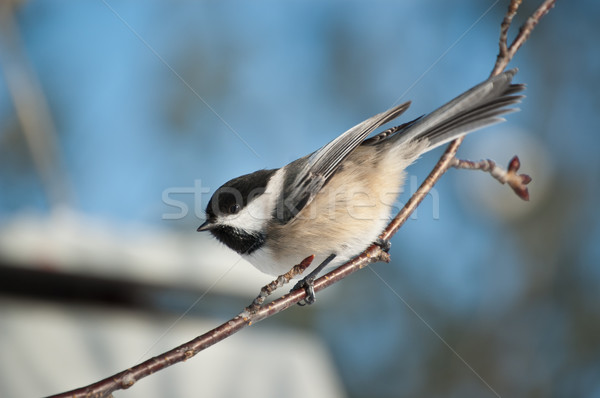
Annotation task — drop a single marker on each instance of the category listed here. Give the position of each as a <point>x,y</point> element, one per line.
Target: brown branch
<point>373,253</point>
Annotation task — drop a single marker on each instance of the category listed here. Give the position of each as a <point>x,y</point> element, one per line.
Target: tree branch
<point>256,311</point>
<point>506,54</point>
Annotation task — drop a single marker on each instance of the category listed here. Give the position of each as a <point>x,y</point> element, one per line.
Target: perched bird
<point>335,202</point>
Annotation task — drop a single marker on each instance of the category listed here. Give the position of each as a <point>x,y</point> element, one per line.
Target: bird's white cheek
<point>259,211</point>
<point>251,218</point>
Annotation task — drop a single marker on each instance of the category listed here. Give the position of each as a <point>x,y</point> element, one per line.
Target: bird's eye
<point>233,209</point>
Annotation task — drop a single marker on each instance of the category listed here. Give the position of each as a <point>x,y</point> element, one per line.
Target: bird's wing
<point>309,175</point>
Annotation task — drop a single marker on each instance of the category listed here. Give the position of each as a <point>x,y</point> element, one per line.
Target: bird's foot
<point>384,244</point>
<point>308,282</point>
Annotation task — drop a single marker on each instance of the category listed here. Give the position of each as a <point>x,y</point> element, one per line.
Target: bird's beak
<point>207,226</point>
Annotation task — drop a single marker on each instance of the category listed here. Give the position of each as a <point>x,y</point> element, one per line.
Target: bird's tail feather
<point>479,107</point>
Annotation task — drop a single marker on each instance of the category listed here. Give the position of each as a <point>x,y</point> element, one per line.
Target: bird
<point>336,201</point>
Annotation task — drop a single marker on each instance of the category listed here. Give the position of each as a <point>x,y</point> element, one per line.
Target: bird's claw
<point>309,287</point>
<point>384,244</point>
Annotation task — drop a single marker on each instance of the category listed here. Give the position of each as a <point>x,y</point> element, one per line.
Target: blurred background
<point>118,121</point>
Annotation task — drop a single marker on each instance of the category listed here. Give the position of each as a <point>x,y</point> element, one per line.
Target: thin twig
<point>372,254</point>
<point>507,54</point>
<point>518,182</point>
<point>508,17</point>
<point>281,280</point>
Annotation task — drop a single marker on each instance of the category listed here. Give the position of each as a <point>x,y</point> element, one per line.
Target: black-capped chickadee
<point>336,201</point>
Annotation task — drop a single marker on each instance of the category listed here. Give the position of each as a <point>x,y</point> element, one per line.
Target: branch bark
<point>257,312</point>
